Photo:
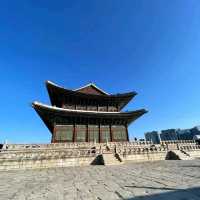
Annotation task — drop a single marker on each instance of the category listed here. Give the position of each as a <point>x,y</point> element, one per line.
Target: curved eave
<point>44,111</point>
<point>54,89</point>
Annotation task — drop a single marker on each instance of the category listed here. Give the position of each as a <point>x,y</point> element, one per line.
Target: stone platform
<point>159,180</point>
<point>32,156</point>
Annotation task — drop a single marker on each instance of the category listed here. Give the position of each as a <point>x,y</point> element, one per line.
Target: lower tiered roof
<point>52,115</point>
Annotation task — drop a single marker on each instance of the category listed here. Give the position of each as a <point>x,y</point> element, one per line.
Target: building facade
<point>169,134</point>
<point>173,134</point>
<point>86,114</point>
<point>153,137</point>
<point>188,134</point>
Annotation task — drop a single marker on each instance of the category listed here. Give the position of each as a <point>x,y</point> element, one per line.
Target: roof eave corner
<point>134,93</point>
<point>48,82</point>
<point>146,111</point>
<point>48,86</point>
<point>35,103</point>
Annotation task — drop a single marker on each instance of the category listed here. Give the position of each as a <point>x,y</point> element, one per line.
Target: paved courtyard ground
<point>161,180</point>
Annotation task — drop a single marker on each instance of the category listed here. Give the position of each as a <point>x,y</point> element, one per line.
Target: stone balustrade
<point>48,154</point>
<point>148,146</point>
<point>190,147</point>
<point>178,142</point>
<point>73,145</point>
<point>52,145</point>
<point>141,150</point>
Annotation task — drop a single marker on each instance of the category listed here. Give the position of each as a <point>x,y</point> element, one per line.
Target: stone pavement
<point>161,180</point>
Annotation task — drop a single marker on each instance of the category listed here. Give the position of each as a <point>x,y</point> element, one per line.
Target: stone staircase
<point>183,155</point>
<point>111,159</point>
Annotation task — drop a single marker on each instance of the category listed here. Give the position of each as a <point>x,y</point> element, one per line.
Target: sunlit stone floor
<point>158,180</point>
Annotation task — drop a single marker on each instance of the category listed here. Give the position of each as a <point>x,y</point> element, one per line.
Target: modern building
<point>195,130</point>
<point>153,137</point>
<point>184,134</point>
<point>188,134</point>
<point>173,134</point>
<point>197,139</point>
<point>86,114</point>
<point>169,134</point>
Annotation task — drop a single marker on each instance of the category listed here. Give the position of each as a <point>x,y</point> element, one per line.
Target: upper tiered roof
<point>88,92</point>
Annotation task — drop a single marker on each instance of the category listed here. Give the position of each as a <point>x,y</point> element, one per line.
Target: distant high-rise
<point>169,134</point>
<point>173,134</point>
<point>152,136</point>
<point>184,134</point>
<point>188,134</point>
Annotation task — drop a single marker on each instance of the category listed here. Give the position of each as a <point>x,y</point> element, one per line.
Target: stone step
<point>182,155</point>
<point>110,159</point>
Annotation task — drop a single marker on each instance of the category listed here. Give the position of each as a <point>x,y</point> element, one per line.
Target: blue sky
<point>152,47</point>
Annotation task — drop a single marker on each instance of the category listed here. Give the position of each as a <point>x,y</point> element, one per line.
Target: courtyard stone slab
<point>178,180</point>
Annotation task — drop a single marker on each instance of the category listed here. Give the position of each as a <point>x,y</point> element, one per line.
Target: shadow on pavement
<point>177,194</point>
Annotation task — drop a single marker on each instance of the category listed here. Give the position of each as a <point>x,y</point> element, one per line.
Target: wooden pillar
<point>52,137</point>
<point>127,136</point>
<point>117,106</point>
<point>87,132</point>
<point>53,140</point>
<point>100,133</point>
<point>74,134</point>
<point>75,104</point>
<point>111,136</point>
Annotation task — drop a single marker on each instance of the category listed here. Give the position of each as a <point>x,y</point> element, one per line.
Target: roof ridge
<point>95,86</point>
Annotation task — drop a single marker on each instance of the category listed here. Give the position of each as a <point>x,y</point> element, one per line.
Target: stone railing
<point>48,154</point>
<point>98,148</point>
<point>130,150</point>
<point>129,144</point>
<point>189,147</point>
<point>177,142</point>
<point>72,145</point>
<point>50,146</point>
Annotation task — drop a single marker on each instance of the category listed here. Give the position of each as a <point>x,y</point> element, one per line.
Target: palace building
<point>87,114</point>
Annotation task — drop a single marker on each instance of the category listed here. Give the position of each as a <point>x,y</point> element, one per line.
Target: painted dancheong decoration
<point>87,114</point>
